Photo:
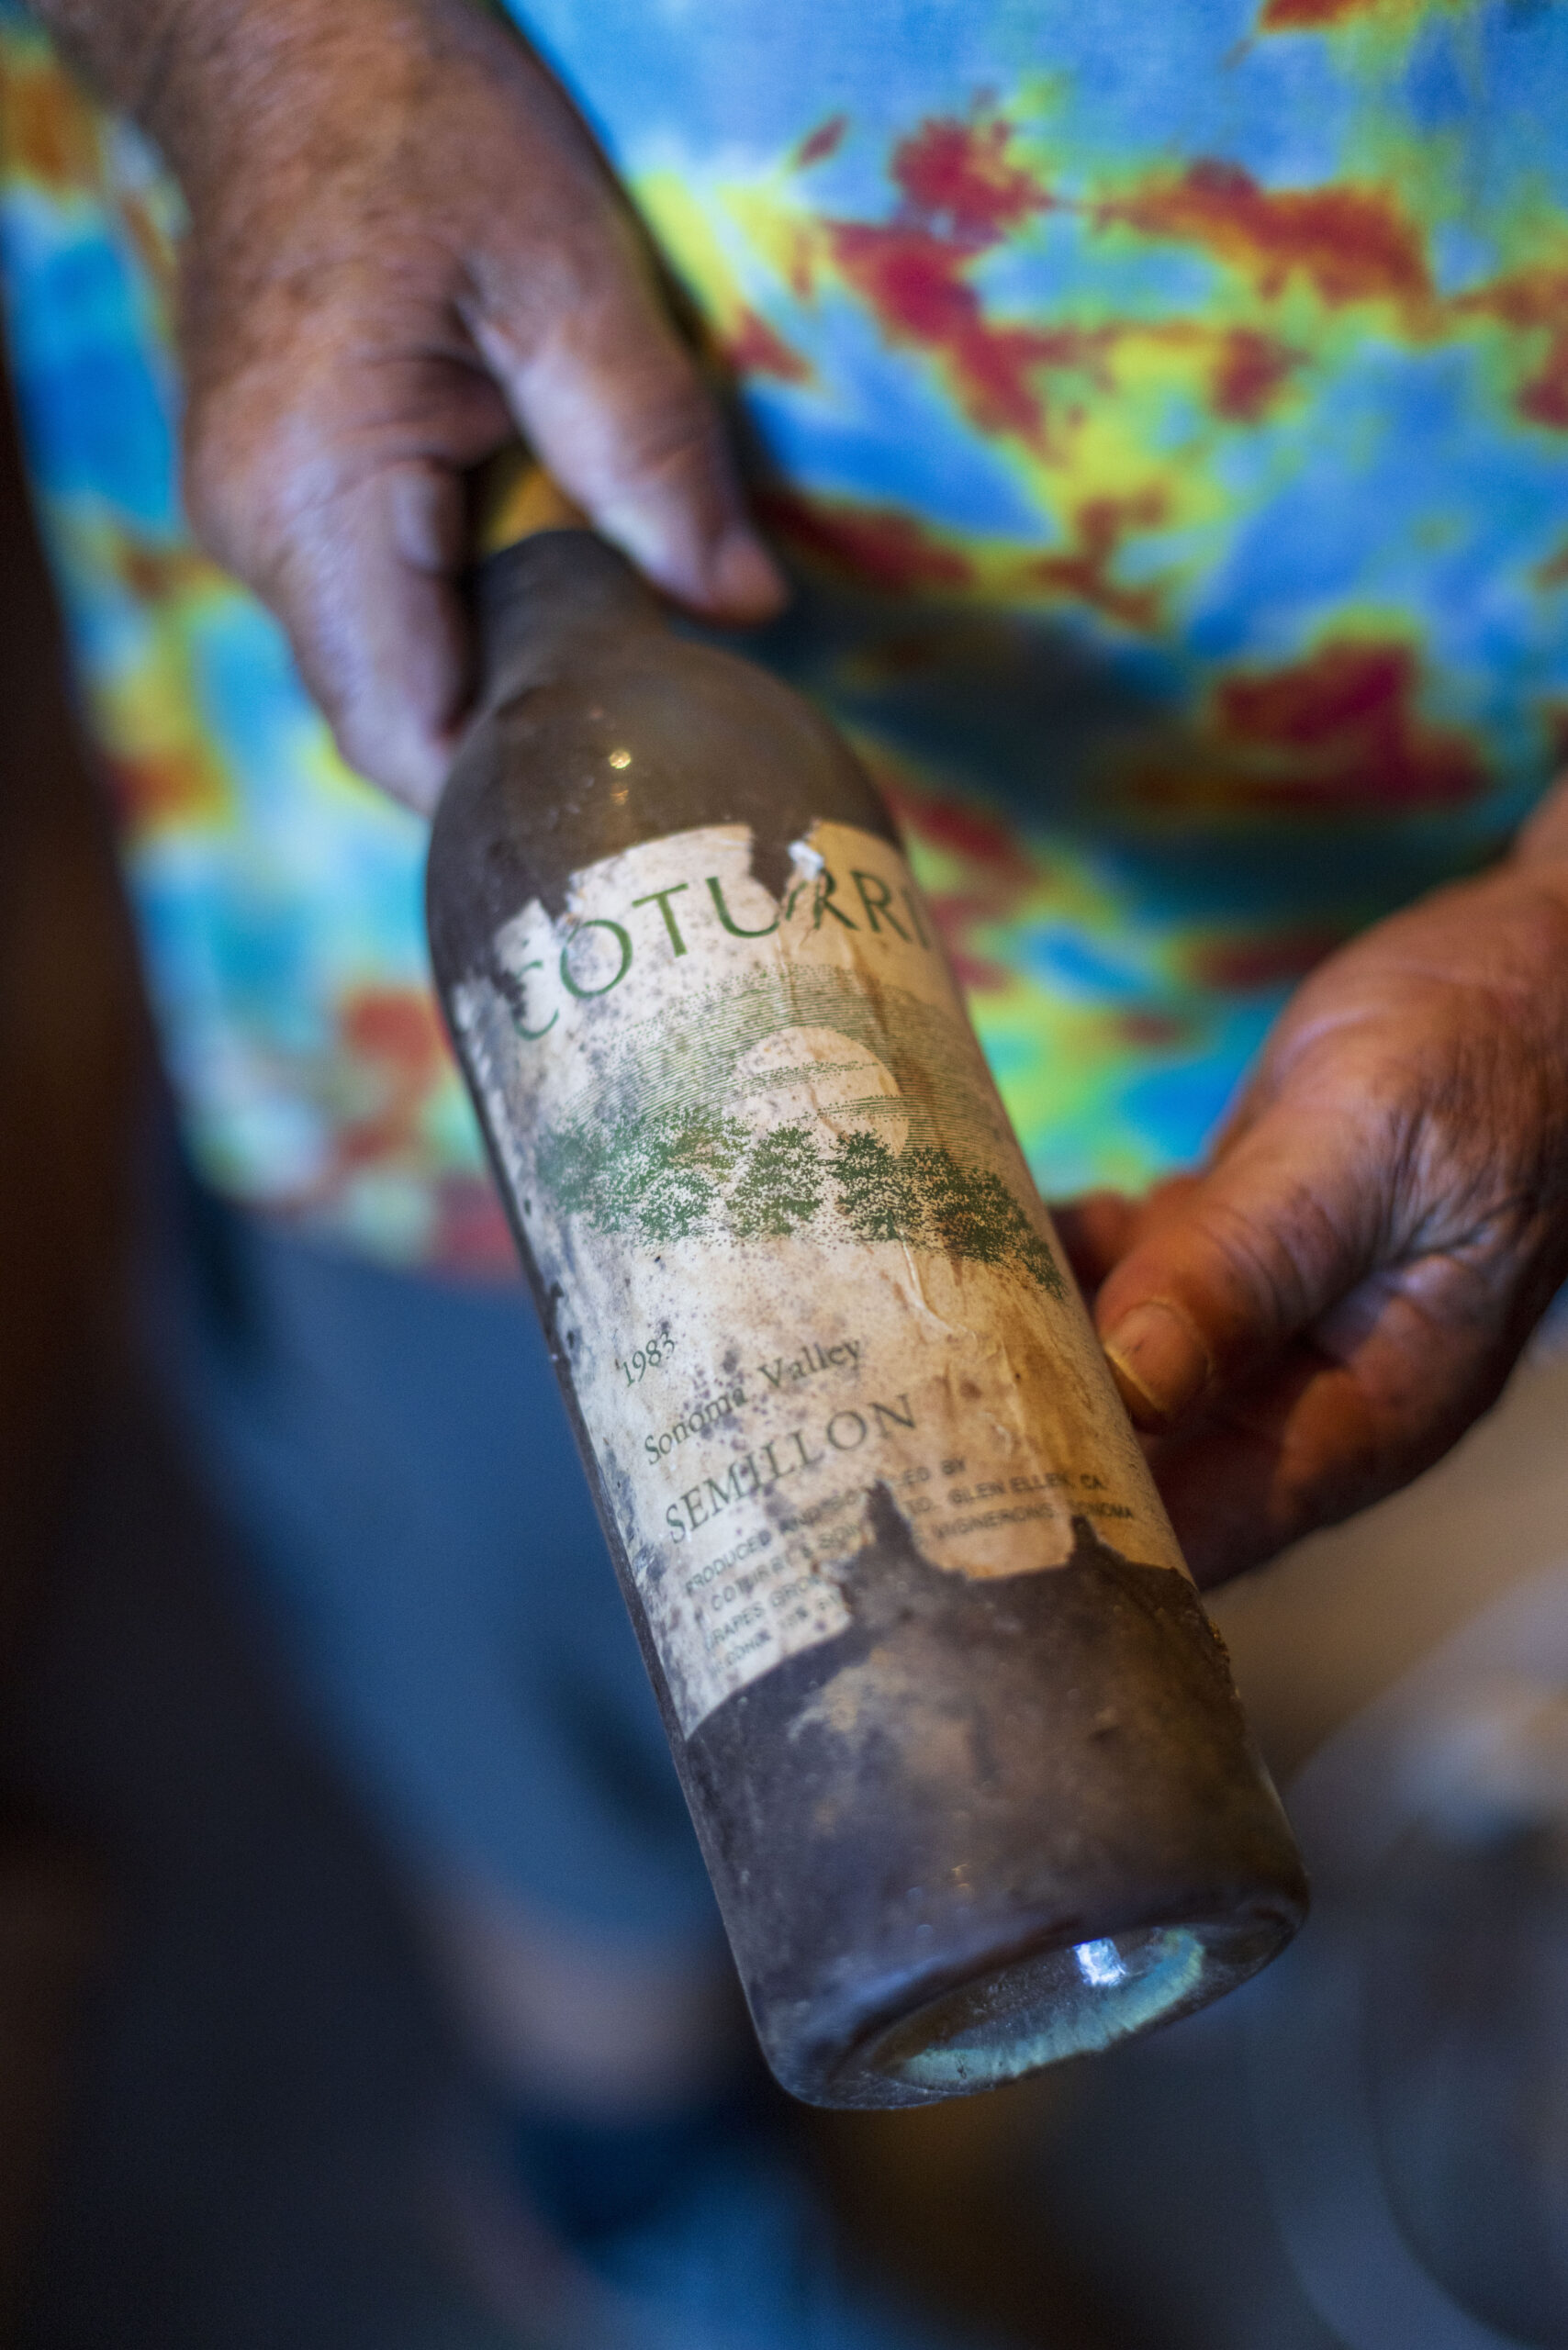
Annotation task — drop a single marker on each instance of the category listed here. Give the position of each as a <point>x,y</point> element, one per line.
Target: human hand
<point>403,249</point>
<point>1317,1316</point>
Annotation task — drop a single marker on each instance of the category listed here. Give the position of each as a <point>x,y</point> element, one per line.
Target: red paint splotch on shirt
<point>1251,370</point>
<point>1337,733</point>
<point>880,547</point>
<point>1350,244</point>
<point>961,174</point>
<point>1534,303</point>
<point>962,195</point>
<point>754,348</point>
<point>1082,572</point>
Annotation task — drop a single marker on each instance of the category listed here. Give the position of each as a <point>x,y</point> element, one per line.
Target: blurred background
<point>232,2102</point>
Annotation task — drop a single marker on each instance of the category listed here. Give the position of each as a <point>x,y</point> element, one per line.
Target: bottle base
<point>1074,2000</point>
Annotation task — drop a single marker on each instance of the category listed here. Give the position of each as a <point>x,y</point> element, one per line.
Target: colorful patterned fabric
<point>1166,410</point>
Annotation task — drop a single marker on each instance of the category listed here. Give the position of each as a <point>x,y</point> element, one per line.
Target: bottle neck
<point>544,603</point>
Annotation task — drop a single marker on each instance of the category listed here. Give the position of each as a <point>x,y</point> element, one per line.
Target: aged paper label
<point>793,1248</point>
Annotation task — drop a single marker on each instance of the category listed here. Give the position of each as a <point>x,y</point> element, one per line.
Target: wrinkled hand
<point>403,248</point>
<point>1316,1317</point>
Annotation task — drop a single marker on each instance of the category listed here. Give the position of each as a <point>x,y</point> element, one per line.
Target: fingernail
<point>747,581</point>
<point>1160,1364</point>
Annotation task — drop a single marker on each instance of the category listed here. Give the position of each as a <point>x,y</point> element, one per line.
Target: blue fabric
<point>392,1451</point>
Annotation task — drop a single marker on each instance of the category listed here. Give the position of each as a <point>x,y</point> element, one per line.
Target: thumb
<point>1291,1217</point>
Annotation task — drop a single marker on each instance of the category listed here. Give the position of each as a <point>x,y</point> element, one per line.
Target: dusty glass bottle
<point>962,1749</point>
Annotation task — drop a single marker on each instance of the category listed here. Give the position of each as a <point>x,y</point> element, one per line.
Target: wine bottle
<point>961,1746</point>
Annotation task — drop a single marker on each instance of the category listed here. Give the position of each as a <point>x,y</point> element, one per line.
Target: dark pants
<point>392,1451</point>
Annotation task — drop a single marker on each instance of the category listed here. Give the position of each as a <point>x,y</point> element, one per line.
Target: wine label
<point>792,1252</point>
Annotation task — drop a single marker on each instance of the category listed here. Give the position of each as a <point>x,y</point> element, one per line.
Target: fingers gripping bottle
<point>962,1749</point>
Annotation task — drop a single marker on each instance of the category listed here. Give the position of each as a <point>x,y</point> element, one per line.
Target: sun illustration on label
<point>800,1074</point>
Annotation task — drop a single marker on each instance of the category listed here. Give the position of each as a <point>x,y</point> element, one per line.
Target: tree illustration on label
<point>807,1130</point>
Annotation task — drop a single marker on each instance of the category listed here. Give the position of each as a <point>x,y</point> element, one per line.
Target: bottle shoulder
<point>624,743</point>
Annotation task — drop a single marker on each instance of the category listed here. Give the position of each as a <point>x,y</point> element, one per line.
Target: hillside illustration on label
<point>801,1102</point>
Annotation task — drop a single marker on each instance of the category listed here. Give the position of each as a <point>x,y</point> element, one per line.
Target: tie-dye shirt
<point>1165,409</point>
